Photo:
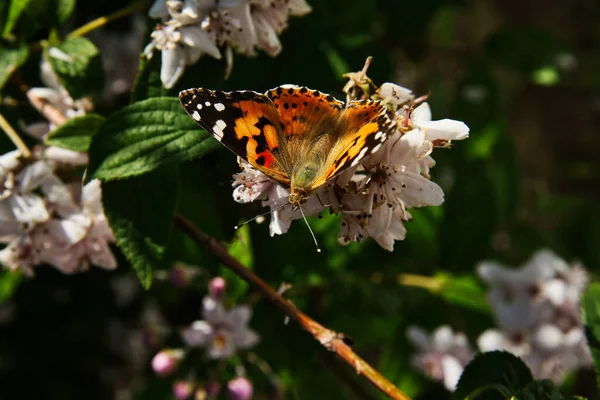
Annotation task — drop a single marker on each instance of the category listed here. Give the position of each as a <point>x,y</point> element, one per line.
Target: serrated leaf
<point>241,249</point>
<point>10,60</point>
<point>145,136</point>
<point>591,317</point>
<point>539,390</point>
<point>78,66</point>
<point>15,10</point>
<point>76,134</point>
<point>492,369</point>
<point>140,212</point>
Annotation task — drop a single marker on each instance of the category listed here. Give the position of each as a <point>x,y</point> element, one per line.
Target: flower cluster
<point>374,197</point>
<point>538,317</point>
<point>537,309</point>
<point>442,355</point>
<point>192,28</point>
<point>45,220</point>
<point>221,333</point>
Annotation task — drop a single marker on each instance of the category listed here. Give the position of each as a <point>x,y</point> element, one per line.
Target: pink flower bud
<point>239,389</point>
<point>180,275</point>
<point>217,286</point>
<point>182,390</point>
<point>165,362</point>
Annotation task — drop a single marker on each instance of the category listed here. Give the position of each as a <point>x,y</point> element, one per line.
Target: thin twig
<point>420,281</point>
<point>328,338</point>
<point>14,136</point>
<point>99,22</point>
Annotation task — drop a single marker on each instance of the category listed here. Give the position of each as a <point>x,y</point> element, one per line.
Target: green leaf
<point>591,317</point>
<point>9,281</point>
<point>15,10</point>
<point>464,291</point>
<point>64,9</point>
<point>140,212</point>
<point>76,134</point>
<point>147,82</point>
<point>539,390</point>
<point>241,249</point>
<point>144,136</point>
<point>10,60</point>
<point>490,370</point>
<point>78,66</point>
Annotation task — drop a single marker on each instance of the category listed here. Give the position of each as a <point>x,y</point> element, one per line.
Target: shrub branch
<point>331,340</point>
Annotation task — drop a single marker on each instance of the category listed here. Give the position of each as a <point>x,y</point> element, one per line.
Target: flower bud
<point>182,390</point>
<point>217,286</point>
<point>239,389</point>
<point>180,275</point>
<point>200,394</point>
<point>165,362</point>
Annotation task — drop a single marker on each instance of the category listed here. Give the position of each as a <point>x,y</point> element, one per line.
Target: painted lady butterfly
<point>298,137</point>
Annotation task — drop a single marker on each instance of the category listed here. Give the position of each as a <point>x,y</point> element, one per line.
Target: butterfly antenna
<point>309,228</point>
<point>258,216</point>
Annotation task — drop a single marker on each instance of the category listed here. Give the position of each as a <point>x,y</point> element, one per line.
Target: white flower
<point>222,332</point>
<point>45,221</point>
<point>180,46</point>
<point>394,94</point>
<point>445,129</point>
<point>251,184</point>
<point>63,105</point>
<point>442,355</point>
<point>537,309</point>
<point>192,28</point>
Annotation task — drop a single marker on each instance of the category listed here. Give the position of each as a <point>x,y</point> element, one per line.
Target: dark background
<point>525,77</point>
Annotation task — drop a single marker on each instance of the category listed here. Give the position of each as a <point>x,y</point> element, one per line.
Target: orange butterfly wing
<point>245,122</point>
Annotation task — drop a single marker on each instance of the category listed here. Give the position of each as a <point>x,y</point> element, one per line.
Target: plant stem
<point>99,22</point>
<point>14,136</point>
<point>425,282</point>
<point>329,339</point>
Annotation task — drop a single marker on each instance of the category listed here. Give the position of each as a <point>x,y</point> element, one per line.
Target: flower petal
<point>445,129</point>
<point>197,334</point>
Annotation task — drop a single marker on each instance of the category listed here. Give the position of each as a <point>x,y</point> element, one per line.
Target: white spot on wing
<point>289,86</point>
<point>219,106</point>
<point>377,147</point>
<point>199,106</point>
<point>207,103</point>
<point>196,115</point>
<point>378,135</point>
<point>362,153</point>
<point>218,129</point>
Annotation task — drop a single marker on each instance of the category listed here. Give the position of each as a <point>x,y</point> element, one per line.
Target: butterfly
<point>298,137</point>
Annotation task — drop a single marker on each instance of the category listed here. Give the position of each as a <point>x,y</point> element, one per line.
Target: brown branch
<point>328,338</point>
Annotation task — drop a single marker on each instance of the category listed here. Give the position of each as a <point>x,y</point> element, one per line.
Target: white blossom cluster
<point>375,196</point>
<point>192,28</point>
<point>44,219</point>
<point>538,316</point>
<point>537,309</point>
